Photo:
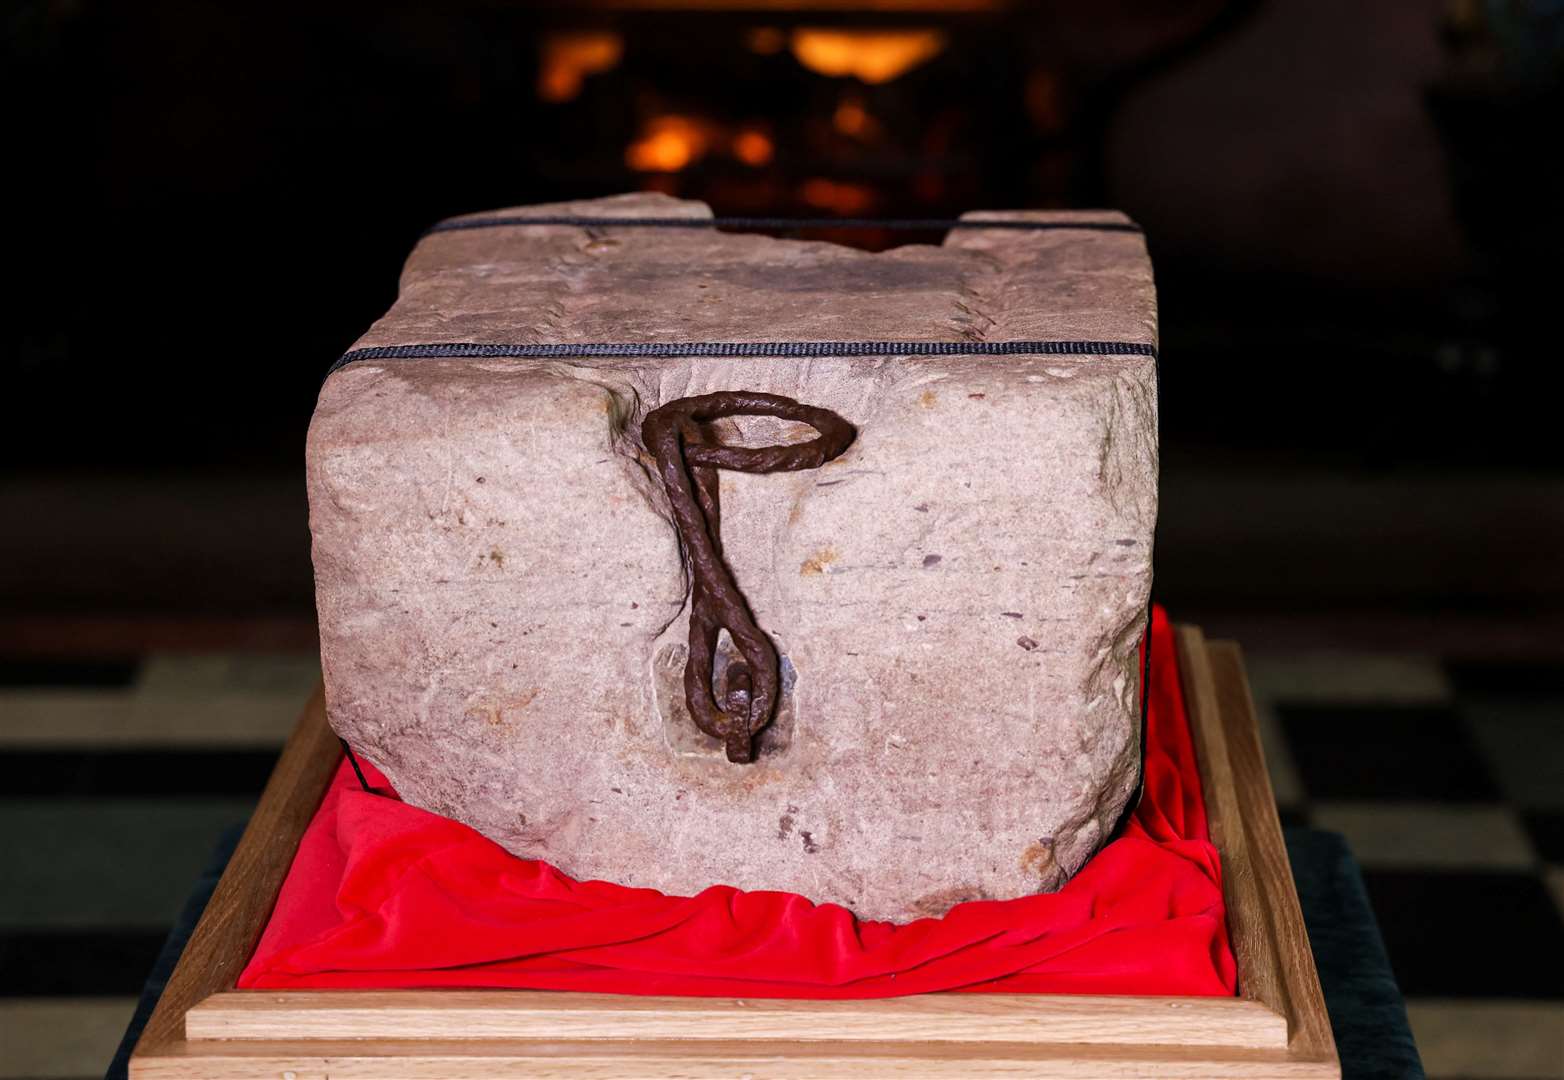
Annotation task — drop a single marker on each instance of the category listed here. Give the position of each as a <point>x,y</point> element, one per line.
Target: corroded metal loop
<point>687,463</point>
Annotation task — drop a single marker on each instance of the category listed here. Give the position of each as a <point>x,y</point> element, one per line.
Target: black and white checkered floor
<point>1448,782</point>
<point>118,774</point>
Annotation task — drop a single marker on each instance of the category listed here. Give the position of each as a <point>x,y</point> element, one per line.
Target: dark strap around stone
<point>777,224</point>
<point>735,350</point>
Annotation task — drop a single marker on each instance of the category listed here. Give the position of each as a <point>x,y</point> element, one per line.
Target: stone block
<point>957,599</point>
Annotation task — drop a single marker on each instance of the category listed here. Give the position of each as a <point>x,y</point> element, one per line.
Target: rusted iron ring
<point>687,464</point>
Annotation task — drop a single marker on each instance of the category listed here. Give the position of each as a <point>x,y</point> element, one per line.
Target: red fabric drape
<point>382,894</point>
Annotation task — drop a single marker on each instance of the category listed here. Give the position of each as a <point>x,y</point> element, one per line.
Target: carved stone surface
<point>958,598</point>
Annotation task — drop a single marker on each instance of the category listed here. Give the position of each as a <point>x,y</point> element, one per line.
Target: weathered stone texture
<point>959,596</point>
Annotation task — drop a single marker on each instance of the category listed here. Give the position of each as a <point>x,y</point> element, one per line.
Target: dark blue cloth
<point>1367,1014</point>
<point>173,946</point>
<point>1366,1011</point>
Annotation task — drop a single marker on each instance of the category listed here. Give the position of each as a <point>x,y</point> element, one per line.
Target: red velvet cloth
<point>382,894</point>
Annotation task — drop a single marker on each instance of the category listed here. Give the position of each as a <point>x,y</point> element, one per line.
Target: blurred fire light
<point>668,144</point>
<point>568,58</point>
<point>766,40</point>
<point>837,195</point>
<point>870,56</point>
<point>752,147</point>
<point>852,119</point>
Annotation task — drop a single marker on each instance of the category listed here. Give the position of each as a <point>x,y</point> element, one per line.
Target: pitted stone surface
<point>958,598</point>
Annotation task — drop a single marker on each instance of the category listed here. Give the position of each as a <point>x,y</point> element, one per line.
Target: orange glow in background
<point>838,196</point>
<point>852,119</point>
<point>568,58</point>
<point>668,144</point>
<point>766,40</point>
<point>870,56</point>
<point>753,147</point>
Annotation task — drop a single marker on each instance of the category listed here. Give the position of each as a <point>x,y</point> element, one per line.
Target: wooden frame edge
<point>1265,921</point>
<point>756,1059</point>
<point>1100,1020</point>
<point>1308,1021</point>
<point>1257,882</point>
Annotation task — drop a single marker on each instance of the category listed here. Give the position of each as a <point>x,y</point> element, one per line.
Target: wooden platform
<point>1275,1028</point>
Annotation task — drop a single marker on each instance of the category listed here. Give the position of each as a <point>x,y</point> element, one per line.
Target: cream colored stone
<point>958,597</point>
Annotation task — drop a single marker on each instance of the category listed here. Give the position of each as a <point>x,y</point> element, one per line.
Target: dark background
<point>1353,210</point>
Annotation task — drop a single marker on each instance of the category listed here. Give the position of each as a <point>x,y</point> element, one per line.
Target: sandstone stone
<point>958,598</point>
